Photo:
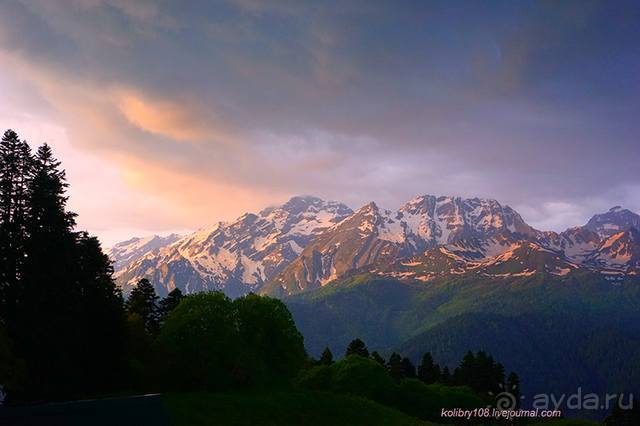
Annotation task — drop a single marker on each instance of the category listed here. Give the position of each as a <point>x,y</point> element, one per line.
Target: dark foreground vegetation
<point>67,333</point>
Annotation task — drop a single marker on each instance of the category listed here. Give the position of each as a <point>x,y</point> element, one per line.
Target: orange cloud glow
<point>171,119</point>
<point>195,200</point>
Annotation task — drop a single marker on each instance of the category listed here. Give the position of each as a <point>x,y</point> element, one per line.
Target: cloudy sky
<point>170,115</point>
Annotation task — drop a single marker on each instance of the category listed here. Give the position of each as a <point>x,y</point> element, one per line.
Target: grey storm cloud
<point>532,103</point>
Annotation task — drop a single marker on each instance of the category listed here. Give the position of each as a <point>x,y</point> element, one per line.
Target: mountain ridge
<point>307,242</point>
<point>237,256</point>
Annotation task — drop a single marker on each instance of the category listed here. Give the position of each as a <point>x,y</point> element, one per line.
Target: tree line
<point>421,392</point>
<point>66,330</point>
<point>206,341</point>
<point>479,371</point>
<point>60,311</point>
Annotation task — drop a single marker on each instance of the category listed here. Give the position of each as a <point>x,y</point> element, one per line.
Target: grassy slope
<point>557,333</point>
<point>386,313</point>
<point>281,408</point>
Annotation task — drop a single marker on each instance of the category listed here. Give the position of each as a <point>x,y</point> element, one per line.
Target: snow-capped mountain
<point>374,236</point>
<point>608,242</point>
<point>239,256</point>
<point>517,258</point>
<point>433,237</point>
<point>615,220</point>
<point>126,252</point>
<point>620,253</point>
<point>575,243</point>
<point>307,243</point>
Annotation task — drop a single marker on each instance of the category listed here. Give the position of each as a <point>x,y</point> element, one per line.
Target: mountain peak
<point>617,219</point>
<point>308,203</point>
<point>238,256</point>
<point>370,207</point>
<point>125,252</point>
<point>300,203</point>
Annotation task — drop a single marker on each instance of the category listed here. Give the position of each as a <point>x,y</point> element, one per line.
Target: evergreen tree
<point>394,365</point>
<point>102,310</point>
<point>462,373</point>
<point>16,169</point>
<point>49,299</point>
<point>446,376</point>
<point>169,303</point>
<point>408,369</point>
<point>480,372</point>
<point>377,358</point>
<point>357,347</point>
<point>326,358</point>
<point>64,313</point>
<point>143,301</point>
<point>428,371</point>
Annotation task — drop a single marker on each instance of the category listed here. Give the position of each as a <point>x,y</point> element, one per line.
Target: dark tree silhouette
<point>16,170</point>
<point>446,376</point>
<point>357,347</point>
<point>428,371</point>
<point>326,358</point>
<point>377,358</point>
<point>394,365</point>
<point>143,301</point>
<point>64,313</point>
<point>169,303</point>
<point>102,312</point>
<point>50,301</point>
<point>480,372</point>
<point>408,369</point>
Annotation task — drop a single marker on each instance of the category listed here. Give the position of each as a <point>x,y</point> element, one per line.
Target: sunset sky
<point>172,115</point>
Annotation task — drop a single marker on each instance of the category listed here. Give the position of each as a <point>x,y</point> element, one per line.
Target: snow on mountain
<point>307,243</point>
<point>514,258</point>
<point>615,220</point>
<point>618,253</point>
<point>575,243</point>
<point>124,253</point>
<point>351,244</point>
<point>552,253</point>
<point>608,243</point>
<point>376,236</point>
<point>440,220</point>
<point>526,258</point>
<point>239,256</point>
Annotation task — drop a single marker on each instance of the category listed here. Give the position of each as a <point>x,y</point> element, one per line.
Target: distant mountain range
<point>440,274</point>
<point>308,242</point>
<point>235,257</point>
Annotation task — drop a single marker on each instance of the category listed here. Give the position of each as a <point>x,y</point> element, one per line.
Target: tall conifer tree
<point>169,303</point>
<point>16,168</point>
<point>49,312</point>
<point>143,301</point>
